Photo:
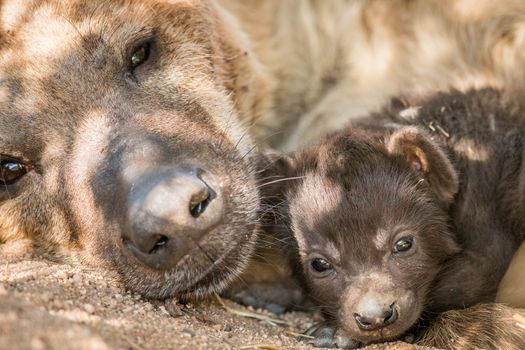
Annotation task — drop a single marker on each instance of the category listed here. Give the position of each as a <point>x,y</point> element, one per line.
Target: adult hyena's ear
<point>425,157</point>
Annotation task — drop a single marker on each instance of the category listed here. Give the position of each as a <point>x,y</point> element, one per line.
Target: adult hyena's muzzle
<point>176,207</point>
<point>170,196</point>
<point>170,209</point>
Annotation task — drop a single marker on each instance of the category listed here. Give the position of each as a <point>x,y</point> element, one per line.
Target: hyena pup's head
<point>369,216</point>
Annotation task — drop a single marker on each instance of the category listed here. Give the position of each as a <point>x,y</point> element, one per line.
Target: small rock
<point>62,275</point>
<point>77,278</point>
<point>163,310</point>
<point>46,297</point>
<point>90,309</point>
<point>173,309</point>
<point>188,333</point>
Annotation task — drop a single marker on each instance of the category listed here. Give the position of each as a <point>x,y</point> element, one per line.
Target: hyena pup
<point>408,214</point>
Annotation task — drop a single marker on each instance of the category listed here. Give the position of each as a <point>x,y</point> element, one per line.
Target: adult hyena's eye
<point>11,170</point>
<point>140,55</point>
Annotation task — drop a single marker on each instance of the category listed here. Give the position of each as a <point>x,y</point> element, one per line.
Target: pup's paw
<point>328,336</point>
<point>274,297</point>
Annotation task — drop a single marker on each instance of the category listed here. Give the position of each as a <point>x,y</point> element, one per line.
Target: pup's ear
<point>275,164</point>
<point>274,170</point>
<point>425,157</point>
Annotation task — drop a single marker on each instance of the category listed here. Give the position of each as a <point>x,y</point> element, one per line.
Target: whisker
<point>281,180</point>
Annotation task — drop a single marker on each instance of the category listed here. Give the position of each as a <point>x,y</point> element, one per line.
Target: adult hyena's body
<point>332,61</point>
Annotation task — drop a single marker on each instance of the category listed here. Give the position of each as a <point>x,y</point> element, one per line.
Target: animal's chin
<point>383,335</point>
<point>197,275</point>
<point>389,333</point>
<point>222,271</point>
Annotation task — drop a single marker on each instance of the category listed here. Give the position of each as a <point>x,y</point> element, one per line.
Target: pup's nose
<point>170,211</point>
<point>374,316</point>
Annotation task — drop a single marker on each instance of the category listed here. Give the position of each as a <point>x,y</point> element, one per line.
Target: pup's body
<point>413,211</point>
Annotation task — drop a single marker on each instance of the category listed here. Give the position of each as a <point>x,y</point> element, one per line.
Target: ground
<point>47,305</point>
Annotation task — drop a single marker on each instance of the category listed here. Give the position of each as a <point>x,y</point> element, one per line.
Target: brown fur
<point>487,326</point>
<point>81,122</point>
<point>222,66</point>
<point>333,61</point>
<point>330,62</point>
<point>394,175</point>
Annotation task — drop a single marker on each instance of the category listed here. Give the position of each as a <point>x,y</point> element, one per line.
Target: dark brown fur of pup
<point>444,171</point>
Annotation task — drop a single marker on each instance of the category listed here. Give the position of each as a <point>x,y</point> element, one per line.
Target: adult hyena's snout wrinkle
<point>169,211</point>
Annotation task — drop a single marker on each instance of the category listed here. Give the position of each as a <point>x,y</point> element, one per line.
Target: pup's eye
<point>321,266</point>
<point>139,56</point>
<point>11,170</point>
<point>404,244</point>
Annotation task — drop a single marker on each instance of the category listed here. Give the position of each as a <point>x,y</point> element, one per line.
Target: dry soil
<point>48,305</point>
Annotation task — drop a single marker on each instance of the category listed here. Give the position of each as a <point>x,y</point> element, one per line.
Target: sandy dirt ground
<point>46,305</point>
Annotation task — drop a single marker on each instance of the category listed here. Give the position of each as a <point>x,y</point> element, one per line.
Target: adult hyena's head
<point>120,138</point>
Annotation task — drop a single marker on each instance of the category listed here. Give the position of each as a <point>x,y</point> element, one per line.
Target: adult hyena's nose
<point>170,211</point>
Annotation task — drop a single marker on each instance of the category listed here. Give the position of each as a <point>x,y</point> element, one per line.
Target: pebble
<point>173,309</point>
<point>61,275</point>
<point>90,309</point>
<point>46,297</point>
<point>188,332</point>
<point>77,278</point>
